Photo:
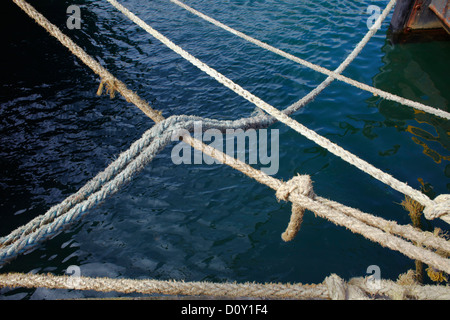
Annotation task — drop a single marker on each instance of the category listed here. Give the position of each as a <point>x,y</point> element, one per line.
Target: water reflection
<point>417,72</point>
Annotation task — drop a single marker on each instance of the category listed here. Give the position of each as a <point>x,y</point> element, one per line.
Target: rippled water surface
<point>210,222</point>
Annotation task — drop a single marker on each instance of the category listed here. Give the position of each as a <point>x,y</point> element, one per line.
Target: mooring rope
<point>298,190</point>
<point>49,229</point>
<point>162,135</point>
<point>107,78</point>
<point>332,288</point>
<point>433,209</point>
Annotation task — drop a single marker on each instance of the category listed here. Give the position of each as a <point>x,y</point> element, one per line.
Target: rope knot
<point>338,289</point>
<point>440,207</point>
<point>300,184</point>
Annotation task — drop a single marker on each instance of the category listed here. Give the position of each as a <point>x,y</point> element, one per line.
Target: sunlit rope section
<point>112,84</point>
<point>335,74</point>
<point>440,207</point>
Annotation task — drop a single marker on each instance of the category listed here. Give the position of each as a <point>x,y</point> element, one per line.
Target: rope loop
<point>301,184</point>
<point>440,207</point>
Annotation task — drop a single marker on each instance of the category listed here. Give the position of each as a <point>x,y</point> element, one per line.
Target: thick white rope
<point>335,74</point>
<point>332,288</point>
<point>432,210</point>
<point>149,286</point>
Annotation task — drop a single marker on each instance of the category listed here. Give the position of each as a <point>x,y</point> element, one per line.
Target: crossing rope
<point>424,246</point>
<point>433,209</point>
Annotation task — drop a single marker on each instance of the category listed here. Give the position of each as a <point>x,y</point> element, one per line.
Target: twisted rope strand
<point>333,287</point>
<point>162,135</point>
<point>148,286</point>
<point>106,76</point>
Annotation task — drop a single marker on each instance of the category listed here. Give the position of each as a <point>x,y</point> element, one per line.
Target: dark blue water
<point>210,222</point>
